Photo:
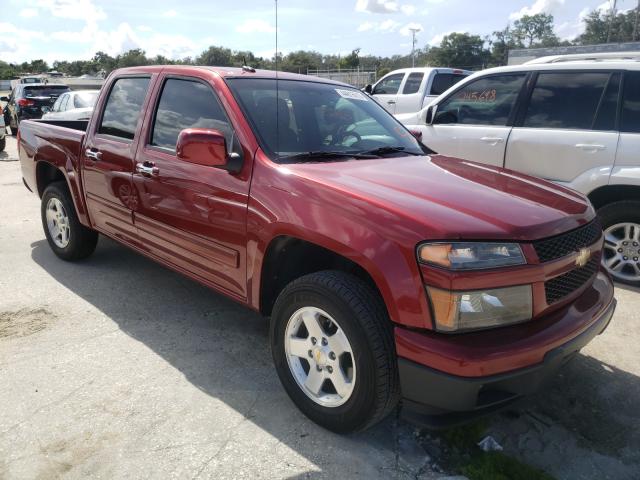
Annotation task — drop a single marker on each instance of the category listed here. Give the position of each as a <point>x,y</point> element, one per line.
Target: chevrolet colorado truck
<point>389,273</point>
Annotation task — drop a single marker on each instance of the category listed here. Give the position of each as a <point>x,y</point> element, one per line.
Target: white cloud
<point>73,9</point>
<point>143,28</point>
<point>29,12</point>
<point>384,6</point>
<point>254,25</point>
<point>408,9</point>
<point>366,26</point>
<point>406,30</point>
<point>170,14</point>
<point>386,26</point>
<point>539,6</point>
<point>437,39</point>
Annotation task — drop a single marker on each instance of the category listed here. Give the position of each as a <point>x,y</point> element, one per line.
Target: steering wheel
<point>343,133</point>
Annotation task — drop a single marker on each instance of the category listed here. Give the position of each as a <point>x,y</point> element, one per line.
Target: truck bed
<point>56,142</point>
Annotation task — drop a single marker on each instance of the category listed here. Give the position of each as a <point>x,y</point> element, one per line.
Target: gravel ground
<point>117,367</point>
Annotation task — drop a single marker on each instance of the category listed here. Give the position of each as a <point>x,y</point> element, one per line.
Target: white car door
<point>385,92</point>
<point>473,122</point>
<point>410,97</point>
<point>567,132</point>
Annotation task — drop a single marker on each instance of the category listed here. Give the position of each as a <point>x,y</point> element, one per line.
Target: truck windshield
<point>319,121</point>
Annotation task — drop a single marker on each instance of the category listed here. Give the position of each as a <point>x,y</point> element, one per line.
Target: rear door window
<point>123,107</point>
<point>485,101</point>
<point>412,85</point>
<point>389,85</point>
<point>631,103</point>
<point>187,104</point>
<point>443,81</point>
<point>567,100</point>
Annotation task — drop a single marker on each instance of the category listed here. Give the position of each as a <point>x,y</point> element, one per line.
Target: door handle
<point>93,154</point>
<point>391,102</point>
<point>147,168</point>
<point>590,147</point>
<point>492,140</point>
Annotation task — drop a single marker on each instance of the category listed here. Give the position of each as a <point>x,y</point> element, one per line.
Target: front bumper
<point>435,398</point>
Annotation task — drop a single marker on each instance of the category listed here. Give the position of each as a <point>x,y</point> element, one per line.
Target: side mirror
<point>45,109</point>
<point>430,114</point>
<point>417,134</point>
<point>202,146</point>
<point>369,89</point>
<point>4,99</point>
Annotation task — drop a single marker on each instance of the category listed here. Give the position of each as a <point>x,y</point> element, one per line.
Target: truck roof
<point>227,72</point>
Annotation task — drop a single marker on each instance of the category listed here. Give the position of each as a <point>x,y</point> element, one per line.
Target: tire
<point>80,240</point>
<point>358,312</point>
<point>14,131</point>
<point>3,143</point>
<point>621,223</point>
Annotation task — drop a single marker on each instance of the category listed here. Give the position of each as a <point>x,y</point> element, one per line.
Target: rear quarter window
<point>123,107</point>
<point>631,103</point>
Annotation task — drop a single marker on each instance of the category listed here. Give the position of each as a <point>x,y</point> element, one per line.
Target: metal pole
<point>635,25</point>
<point>413,46</point>
<point>612,16</point>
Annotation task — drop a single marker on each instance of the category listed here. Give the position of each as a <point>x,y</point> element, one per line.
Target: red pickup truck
<point>389,273</point>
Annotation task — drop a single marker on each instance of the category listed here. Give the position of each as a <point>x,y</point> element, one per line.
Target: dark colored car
<point>388,272</point>
<point>30,101</point>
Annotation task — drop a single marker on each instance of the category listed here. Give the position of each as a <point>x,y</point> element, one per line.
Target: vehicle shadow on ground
<point>222,348</point>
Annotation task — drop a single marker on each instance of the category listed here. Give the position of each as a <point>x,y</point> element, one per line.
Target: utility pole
<point>612,16</point>
<point>413,45</point>
<point>635,25</point>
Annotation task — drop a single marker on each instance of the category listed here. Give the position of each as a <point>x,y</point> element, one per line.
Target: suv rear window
<point>123,107</point>
<point>631,103</point>
<point>572,100</point>
<point>47,91</point>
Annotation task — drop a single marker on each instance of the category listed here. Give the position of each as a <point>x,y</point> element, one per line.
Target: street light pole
<point>413,46</point>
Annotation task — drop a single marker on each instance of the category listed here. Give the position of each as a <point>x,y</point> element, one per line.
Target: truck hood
<point>448,198</point>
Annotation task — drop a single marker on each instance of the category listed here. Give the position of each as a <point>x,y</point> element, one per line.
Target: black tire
<point>14,131</point>
<point>626,211</point>
<point>363,317</point>
<point>82,240</point>
<point>3,143</point>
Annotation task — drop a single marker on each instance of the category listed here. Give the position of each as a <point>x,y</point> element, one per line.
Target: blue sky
<point>75,29</point>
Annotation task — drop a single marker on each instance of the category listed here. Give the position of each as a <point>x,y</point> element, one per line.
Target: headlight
<point>471,255</point>
<point>456,311</point>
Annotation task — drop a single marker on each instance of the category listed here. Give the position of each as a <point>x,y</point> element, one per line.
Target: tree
<point>350,61</point>
<point>460,50</point>
<point>601,27</point>
<point>536,28</point>
<point>218,56</point>
<point>132,58</point>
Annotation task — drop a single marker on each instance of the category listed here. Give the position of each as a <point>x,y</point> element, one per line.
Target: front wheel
<point>333,349</point>
<point>621,254</point>
<point>67,237</point>
<point>3,143</point>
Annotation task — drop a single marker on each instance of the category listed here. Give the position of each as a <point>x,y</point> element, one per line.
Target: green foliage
<point>604,27</point>
<point>498,466</point>
<point>460,50</point>
<point>535,31</point>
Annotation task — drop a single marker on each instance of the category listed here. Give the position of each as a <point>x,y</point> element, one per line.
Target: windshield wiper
<point>324,154</point>
<point>385,150</point>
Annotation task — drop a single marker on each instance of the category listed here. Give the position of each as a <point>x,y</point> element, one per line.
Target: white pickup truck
<point>408,90</point>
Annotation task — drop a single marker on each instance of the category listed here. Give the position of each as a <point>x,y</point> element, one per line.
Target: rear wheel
<point>67,237</point>
<point>621,255</point>
<point>333,349</point>
<point>3,143</point>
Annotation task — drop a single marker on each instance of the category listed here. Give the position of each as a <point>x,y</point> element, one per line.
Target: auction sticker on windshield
<point>351,94</point>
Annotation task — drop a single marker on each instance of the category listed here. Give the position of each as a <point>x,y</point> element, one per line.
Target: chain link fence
<point>354,76</point>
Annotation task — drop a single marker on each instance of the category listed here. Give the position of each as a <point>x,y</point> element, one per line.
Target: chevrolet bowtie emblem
<point>583,257</point>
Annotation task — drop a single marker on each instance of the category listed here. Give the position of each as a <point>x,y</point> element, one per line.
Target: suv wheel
<point>3,143</point>
<point>621,255</point>
<point>333,349</point>
<point>67,237</point>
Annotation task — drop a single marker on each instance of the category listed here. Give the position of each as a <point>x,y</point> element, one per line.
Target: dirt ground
<point>116,367</point>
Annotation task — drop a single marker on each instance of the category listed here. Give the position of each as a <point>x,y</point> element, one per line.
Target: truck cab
<point>408,90</point>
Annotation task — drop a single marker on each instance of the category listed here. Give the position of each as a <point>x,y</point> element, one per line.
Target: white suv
<point>575,121</point>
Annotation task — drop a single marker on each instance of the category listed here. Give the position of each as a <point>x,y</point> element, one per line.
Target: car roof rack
<point>588,57</point>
